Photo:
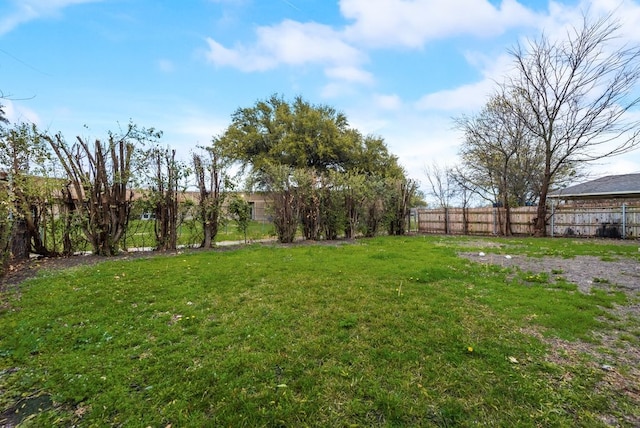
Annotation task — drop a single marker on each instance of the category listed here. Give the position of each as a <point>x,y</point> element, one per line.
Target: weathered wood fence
<point>615,220</point>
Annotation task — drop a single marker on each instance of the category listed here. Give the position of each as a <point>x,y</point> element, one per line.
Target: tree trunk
<point>67,245</point>
<point>540,226</point>
<point>20,240</point>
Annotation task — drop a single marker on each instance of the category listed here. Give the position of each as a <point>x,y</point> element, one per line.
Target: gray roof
<point>609,187</point>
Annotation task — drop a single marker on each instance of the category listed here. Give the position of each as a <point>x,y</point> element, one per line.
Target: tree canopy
<point>319,171</point>
<point>299,134</point>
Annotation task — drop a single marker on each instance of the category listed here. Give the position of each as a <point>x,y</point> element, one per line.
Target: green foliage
<point>5,224</point>
<point>211,169</point>
<point>241,212</point>
<point>280,183</point>
<point>389,331</point>
<point>164,180</point>
<point>333,212</point>
<point>307,157</point>
<point>26,161</point>
<point>301,135</point>
<point>141,233</point>
<point>398,203</point>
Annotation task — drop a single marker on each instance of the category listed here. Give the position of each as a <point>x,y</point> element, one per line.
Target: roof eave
<point>605,195</point>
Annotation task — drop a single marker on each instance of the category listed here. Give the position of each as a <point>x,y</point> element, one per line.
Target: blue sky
<point>399,69</point>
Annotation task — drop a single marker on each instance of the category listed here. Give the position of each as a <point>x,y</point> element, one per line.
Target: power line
<point>292,5</point>
<point>15,58</point>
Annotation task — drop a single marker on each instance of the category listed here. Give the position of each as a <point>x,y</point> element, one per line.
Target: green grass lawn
<point>383,332</point>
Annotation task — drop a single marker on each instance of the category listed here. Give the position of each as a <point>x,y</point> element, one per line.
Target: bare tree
<point>3,115</point>
<point>164,178</point>
<point>354,188</point>
<point>100,175</point>
<point>500,155</point>
<point>279,182</point>
<point>213,181</point>
<point>5,202</point>
<point>440,188</point>
<point>309,196</point>
<point>464,191</point>
<point>575,94</point>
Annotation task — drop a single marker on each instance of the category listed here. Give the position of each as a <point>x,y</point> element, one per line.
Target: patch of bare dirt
<point>584,271</point>
<point>20,271</point>
<point>617,359</point>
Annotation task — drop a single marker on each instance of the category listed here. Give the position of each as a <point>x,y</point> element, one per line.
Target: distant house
<point>606,207</point>
<point>258,203</point>
<point>626,186</point>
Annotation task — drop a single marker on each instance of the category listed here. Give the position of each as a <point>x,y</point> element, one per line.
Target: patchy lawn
<point>387,332</point>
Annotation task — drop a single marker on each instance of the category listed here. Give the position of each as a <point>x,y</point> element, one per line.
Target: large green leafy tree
<point>297,134</point>
<point>310,141</point>
<point>302,135</point>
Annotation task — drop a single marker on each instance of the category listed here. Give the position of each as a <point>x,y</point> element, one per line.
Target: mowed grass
<point>381,332</point>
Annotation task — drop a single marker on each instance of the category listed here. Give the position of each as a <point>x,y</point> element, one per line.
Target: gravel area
<point>584,271</point>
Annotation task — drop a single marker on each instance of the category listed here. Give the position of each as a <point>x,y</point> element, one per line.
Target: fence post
<point>495,219</point>
<point>446,221</point>
<point>624,221</point>
<point>553,217</point>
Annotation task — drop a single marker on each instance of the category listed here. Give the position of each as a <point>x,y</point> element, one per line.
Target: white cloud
<point>563,16</point>
<point>200,129</point>
<point>289,43</point>
<point>387,102</point>
<point>336,89</point>
<point>417,138</point>
<point>463,98</point>
<point>189,126</point>
<point>470,96</point>
<point>628,164</point>
<point>16,113</point>
<point>386,23</point>
<point>376,23</point>
<point>22,11</point>
<point>349,74</point>
<point>239,58</point>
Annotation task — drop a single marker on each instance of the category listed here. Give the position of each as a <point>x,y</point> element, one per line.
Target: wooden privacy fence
<point>589,220</point>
